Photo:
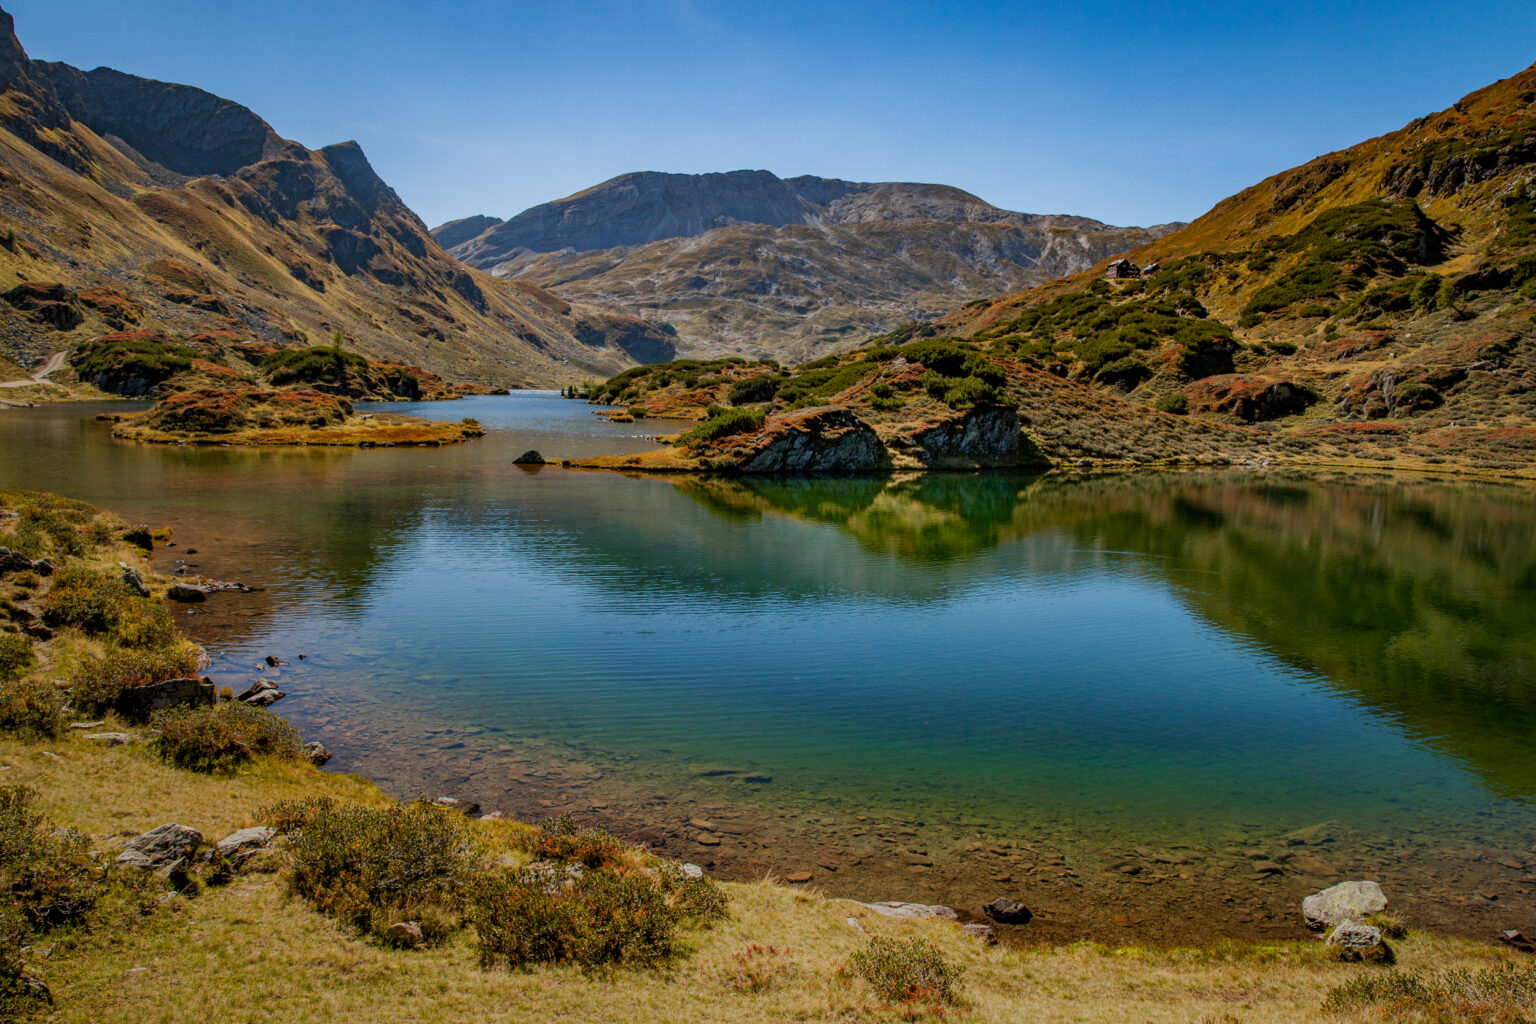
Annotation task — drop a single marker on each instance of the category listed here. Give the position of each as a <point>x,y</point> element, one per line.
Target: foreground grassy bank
<point>304,929</point>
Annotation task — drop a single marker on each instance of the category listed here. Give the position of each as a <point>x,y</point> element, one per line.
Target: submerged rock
<point>1346,901</point>
<point>186,593</point>
<point>1006,911</point>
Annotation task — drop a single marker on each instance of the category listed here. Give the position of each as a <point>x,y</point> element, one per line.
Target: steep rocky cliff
<point>127,203</point>
<point>748,262</point>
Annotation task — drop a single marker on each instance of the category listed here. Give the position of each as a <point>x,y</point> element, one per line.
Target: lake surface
<point>1114,695</point>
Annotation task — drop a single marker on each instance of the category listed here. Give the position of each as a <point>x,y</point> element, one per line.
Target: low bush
<point>221,737</point>
<point>563,840</point>
<point>372,867</point>
<point>1175,402</point>
<point>723,424</point>
<point>47,874</point>
<point>96,685</point>
<point>15,655</point>
<point>527,916</point>
<point>311,365</point>
<point>32,708</point>
<point>753,389</point>
<point>88,599</point>
<point>910,972</point>
<point>971,391</point>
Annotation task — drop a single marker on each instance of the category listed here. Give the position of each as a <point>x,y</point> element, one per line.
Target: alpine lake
<point>1153,706</point>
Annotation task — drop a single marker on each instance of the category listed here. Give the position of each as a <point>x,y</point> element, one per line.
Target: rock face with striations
<point>986,436</point>
<point>825,439</point>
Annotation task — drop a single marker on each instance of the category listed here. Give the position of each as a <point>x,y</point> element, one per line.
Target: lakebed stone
<point>1006,911</point>
<point>1347,901</point>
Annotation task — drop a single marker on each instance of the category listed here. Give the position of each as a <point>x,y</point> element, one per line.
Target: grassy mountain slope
<point>747,263</point>
<point>1393,283</point>
<point>132,204</point>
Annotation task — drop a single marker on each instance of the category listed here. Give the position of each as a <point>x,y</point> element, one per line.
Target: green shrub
<point>321,364</point>
<point>1124,373</point>
<point>1175,402</point>
<point>533,916</point>
<point>701,900</point>
<point>753,389</point>
<point>724,424</point>
<point>221,737</point>
<point>971,391</point>
<point>15,655</point>
<point>115,362</point>
<point>32,708</point>
<point>97,684</point>
<point>46,873</point>
<point>910,972</point>
<point>372,867</point>
<point>88,599</point>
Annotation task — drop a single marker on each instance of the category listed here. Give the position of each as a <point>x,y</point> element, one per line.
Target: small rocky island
<point>304,417</point>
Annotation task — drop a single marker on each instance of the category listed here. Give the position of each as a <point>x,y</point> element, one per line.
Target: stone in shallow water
<point>1006,911</point>
<point>1343,902</point>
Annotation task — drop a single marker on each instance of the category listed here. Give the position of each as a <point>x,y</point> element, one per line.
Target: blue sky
<point>1132,113</point>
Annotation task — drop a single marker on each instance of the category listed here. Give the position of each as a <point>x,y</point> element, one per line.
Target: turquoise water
<point>1128,657</point>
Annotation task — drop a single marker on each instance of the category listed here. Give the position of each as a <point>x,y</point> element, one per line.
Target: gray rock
<point>1343,902</point>
<point>186,593</point>
<point>112,739</point>
<point>469,808</point>
<point>139,702</point>
<point>404,933</point>
<point>88,725</point>
<point>1352,940</point>
<point>984,932</point>
<point>259,686</point>
<point>529,458</point>
<point>984,435</point>
<point>316,752</point>
<point>912,911</point>
<point>265,699</point>
<point>691,871</point>
<point>167,849</point>
<point>133,579</point>
<point>14,561</point>
<point>1006,911</point>
<point>825,439</point>
<point>239,847</point>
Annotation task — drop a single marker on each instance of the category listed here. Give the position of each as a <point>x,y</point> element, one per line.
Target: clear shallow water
<point>1134,658</point>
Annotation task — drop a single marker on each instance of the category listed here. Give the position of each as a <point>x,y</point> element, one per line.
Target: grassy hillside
<point>229,228</point>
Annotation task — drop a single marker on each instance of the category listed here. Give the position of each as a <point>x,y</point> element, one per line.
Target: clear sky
<point>1134,113</point>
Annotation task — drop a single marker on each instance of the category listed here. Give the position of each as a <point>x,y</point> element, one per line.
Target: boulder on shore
<point>138,703</point>
<point>167,849</point>
<point>1354,941</point>
<point>1347,901</point>
<point>317,753</point>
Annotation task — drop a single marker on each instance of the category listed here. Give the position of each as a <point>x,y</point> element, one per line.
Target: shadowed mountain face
<point>131,204</point>
<point>749,262</point>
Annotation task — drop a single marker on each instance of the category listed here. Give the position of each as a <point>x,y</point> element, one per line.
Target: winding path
<point>40,377</point>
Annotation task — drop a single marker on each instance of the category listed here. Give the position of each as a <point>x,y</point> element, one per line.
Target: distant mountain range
<point>747,262</point>
<point>128,204</point>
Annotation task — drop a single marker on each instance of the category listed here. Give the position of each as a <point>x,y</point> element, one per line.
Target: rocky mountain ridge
<point>132,204</point>
<point>747,262</point>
